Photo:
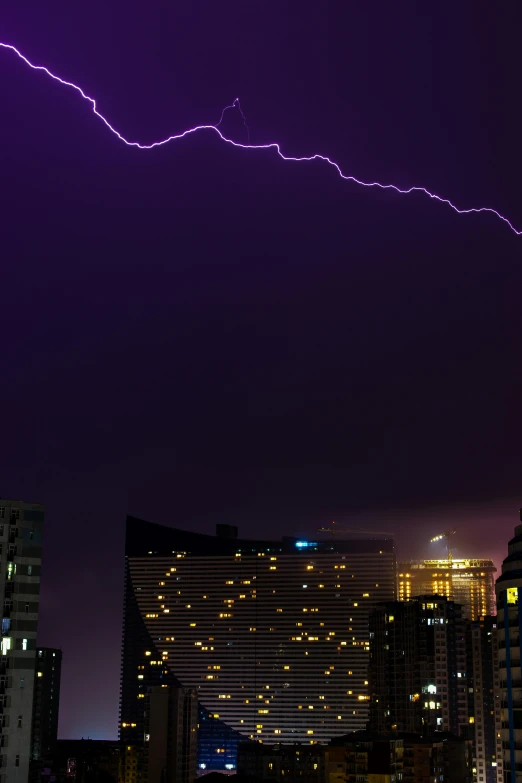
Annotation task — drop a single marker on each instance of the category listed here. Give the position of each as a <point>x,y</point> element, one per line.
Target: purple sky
<point>201,334</point>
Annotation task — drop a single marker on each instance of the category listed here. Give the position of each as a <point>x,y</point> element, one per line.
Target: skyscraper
<point>21,527</point>
<point>485,701</point>
<point>418,667</point>
<point>46,701</point>
<point>509,627</point>
<point>273,635</point>
<point>467,581</point>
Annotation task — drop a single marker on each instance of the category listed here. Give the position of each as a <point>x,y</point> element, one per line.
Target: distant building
<point>172,746</point>
<point>423,759</point>
<point>371,757</point>
<point>467,581</point>
<point>134,764</point>
<point>273,635</point>
<point>289,763</point>
<point>46,701</point>
<point>441,757</point>
<point>85,761</point>
<point>21,527</point>
<point>360,757</point>
<point>417,667</point>
<point>509,627</point>
<point>485,717</point>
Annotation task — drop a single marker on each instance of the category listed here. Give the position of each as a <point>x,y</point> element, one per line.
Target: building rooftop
<point>147,538</point>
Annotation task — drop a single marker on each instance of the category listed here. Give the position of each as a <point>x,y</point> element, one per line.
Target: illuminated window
<point>512,595</point>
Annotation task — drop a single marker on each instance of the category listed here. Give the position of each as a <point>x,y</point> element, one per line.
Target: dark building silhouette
<point>484,708</point>
<point>509,625</point>
<point>440,757</point>
<point>46,701</point>
<point>272,634</point>
<point>373,757</point>
<point>21,528</point>
<point>257,761</point>
<point>360,757</point>
<point>418,678</point>
<point>85,761</point>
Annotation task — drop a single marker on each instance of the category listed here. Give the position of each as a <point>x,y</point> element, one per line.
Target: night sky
<point>202,334</point>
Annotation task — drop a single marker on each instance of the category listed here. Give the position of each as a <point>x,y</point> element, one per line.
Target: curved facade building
<point>273,635</point>
<point>509,629</point>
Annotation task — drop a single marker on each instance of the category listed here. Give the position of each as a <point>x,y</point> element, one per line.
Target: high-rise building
<point>46,701</point>
<point>21,526</point>
<point>417,668</point>
<point>484,698</point>
<point>509,629</point>
<point>273,635</point>
<point>172,718</point>
<point>469,582</point>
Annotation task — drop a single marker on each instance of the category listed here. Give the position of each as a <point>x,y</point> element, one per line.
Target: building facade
<point>469,582</point>
<point>417,673</point>
<point>273,635</point>
<point>485,701</point>
<point>509,629</point>
<point>21,527</point>
<point>46,701</point>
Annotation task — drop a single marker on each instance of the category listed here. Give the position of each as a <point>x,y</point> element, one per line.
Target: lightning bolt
<point>272,146</point>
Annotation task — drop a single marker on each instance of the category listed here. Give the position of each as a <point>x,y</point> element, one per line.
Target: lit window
<point>24,644</point>
<point>512,595</point>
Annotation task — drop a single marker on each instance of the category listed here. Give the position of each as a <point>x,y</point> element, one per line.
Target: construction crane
<point>333,530</point>
<point>447,535</point>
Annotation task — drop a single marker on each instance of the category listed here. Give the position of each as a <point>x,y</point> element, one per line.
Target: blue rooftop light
<point>301,544</point>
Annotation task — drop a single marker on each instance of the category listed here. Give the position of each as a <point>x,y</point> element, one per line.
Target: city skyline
<point>107,729</point>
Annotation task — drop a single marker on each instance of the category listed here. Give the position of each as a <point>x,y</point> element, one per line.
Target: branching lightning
<point>273,146</point>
